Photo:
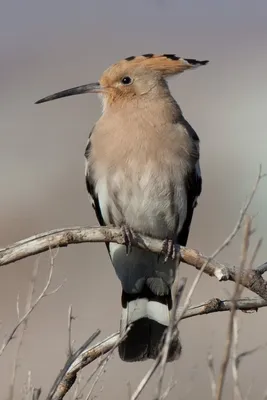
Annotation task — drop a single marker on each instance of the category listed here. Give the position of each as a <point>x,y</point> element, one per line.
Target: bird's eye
<point>126,80</point>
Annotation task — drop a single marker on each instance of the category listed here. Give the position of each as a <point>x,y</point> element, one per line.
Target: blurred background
<point>50,46</point>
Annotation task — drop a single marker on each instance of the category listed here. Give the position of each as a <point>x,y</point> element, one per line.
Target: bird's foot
<point>170,249</point>
<point>128,237</point>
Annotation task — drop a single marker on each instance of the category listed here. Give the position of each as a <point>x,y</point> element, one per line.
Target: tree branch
<point>86,355</point>
<point>64,237</point>
<point>236,295</point>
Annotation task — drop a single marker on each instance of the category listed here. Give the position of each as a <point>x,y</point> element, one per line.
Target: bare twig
<point>36,393</point>
<point>23,328</point>
<point>235,364</point>
<point>73,365</point>
<point>249,352</point>
<point>102,364</point>
<point>29,387</point>
<point>90,354</point>
<point>217,305</point>
<point>254,255</point>
<point>30,392</point>
<point>24,318</point>
<point>169,336</point>
<point>237,358</point>
<point>237,293</point>
<point>146,378</point>
<point>212,375</point>
<point>226,242</point>
<point>262,268</point>
<point>75,395</point>
<point>70,319</point>
<point>169,388</point>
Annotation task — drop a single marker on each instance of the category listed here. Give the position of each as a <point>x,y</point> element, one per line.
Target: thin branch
<point>73,365</point>
<point>249,352</point>
<point>169,388</point>
<point>255,253</point>
<point>236,294</point>
<point>23,327</point>
<point>24,318</point>
<point>235,363</point>
<point>226,242</point>
<point>89,354</point>
<point>102,364</point>
<point>36,393</point>
<point>169,335</point>
<point>75,395</point>
<point>70,319</point>
<point>146,378</point>
<point>28,386</point>
<point>217,305</point>
<point>262,268</point>
<point>30,392</point>
<point>212,375</point>
<point>237,358</point>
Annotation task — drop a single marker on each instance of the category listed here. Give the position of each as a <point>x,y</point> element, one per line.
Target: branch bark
<point>85,356</point>
<point>64,237</point>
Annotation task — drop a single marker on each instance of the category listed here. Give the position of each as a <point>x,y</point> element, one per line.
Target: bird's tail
<point>148,315</point>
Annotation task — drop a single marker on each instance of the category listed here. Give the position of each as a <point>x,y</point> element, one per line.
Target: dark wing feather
<point>90,183</point>
<point>193,188</point>
<point>91,187</point>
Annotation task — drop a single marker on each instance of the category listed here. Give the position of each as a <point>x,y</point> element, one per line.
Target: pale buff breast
<point>154,204</point>
<point>139,179</point>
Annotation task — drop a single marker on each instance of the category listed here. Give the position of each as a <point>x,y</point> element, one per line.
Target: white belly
<point>152,203</point>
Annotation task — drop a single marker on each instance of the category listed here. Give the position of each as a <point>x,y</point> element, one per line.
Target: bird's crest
<point>166,64</point>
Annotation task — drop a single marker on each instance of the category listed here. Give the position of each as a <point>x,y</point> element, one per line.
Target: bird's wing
<point>90,183</point>
<point>193,187</point>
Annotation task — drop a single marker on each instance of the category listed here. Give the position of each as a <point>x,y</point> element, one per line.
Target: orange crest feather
<point>166,64</point>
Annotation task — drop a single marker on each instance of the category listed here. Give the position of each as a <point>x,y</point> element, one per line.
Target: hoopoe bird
<point>143,174</point>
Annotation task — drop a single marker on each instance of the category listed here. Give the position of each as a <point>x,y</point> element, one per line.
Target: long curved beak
<point>90,88</point>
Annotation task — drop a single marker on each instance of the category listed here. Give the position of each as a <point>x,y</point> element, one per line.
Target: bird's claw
<point>170,249</point>
<point>128,236</point>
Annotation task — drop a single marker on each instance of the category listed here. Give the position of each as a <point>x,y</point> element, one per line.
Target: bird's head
<point>132,77</point>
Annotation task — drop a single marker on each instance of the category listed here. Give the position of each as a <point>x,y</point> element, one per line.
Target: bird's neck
<point>149,106</point>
